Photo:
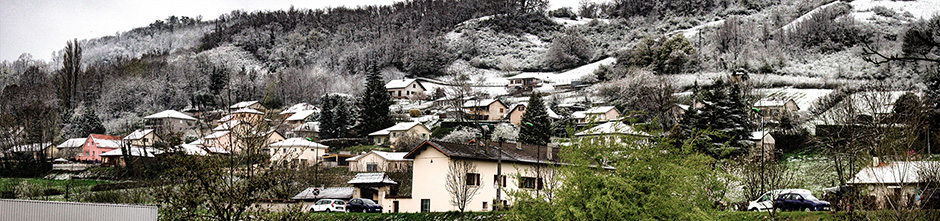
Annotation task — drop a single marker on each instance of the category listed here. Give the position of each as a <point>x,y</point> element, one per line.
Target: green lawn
<point>43,189</point>
<point>7,184</point>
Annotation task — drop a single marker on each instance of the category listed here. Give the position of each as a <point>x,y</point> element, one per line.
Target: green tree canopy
<point>536,126</point>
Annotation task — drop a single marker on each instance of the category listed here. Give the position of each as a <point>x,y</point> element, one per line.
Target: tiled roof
<point>170,114</point>
<point>325,193</point>
<point>390,156</point>
<point>247,111</point>
<point>398,127</point>
<point>480,103</point>
<point>106,141</point>
<point>228,125</point>
<point>371,178</point>
<point>33,147</point>
<point>198,150</point>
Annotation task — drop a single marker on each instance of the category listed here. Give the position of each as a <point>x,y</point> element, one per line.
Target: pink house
<point>96,144</point>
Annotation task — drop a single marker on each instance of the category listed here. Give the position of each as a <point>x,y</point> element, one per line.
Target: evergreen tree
<point>536,126</point>
<point>89,123</point>
<point>336,116</point>
<point>374,106</point>
<point>724,112</point>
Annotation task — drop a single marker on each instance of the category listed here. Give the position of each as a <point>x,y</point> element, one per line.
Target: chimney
<point>875,162</point>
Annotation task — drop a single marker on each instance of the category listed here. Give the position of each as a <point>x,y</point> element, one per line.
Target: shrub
<point>51,192</point>
<point>414,113</point>
<point>568,49</point>
<point>563,12</point>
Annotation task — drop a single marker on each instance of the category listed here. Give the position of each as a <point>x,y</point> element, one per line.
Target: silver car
<point>328,205</point>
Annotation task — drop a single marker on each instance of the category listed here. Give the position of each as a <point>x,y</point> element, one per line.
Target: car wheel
<point>327,210</point>
<point>807,209</point>
<point>777,209</point>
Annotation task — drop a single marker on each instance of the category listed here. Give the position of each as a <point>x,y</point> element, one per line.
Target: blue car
<point>363,205</point>
<point>800,201</point>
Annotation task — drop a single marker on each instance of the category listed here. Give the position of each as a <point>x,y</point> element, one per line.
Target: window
<point>500,110</point>
<point>425,205</point>
<point>496,178</point>
<point>414,86</point>
<point>530,183</point>
<point>484,205</point>
<point>372,167</point>
<point>522,108</point>
<point>473,179</point>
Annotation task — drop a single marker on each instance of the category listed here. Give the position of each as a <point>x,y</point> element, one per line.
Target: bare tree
<point>463,182</point>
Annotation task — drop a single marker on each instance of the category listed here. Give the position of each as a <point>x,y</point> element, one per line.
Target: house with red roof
<point>96,144</point>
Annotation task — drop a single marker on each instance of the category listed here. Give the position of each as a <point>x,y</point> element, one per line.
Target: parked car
<point>766,201</point>
<point>328,205</point>
<point>363,205</point>
<point>800,201</point>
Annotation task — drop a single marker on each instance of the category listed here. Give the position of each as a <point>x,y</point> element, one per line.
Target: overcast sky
<point>40,27</point>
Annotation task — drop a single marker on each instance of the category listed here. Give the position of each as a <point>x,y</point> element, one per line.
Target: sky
<point>40,27</point>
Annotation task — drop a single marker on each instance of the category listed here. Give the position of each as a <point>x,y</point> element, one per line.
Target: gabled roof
<point>551,113</point>
<point>215,135</point>
<point>299,107</point>
<point>170,114</point>
<point>371,178</point>
<point>229,125</point>
<point>613,127</point>
<point>308,126</point>
<point>511,152</point>
<point>243,104</point>
<point>298,142</point>
<point>389,156</point>
<point>402,83</point>
<point>758,135</point>
<point>398,127</point>
<point>893,172</point>
<point>325,193</point>
<point>133,151</point>
<point>198,150</point>
<point>138,134</point>
<point>300,115</point>
<point>773,102</point>
<point>600,110</point>
<point>72,143</point>
<point>529,75</point>
<point>105,141</point>
<point>247,111</point>
<point>481,103</point>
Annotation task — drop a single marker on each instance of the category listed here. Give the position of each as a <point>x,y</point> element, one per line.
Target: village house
<point>234,141</point>
<point>775,108</point>
<point>297,151</point>
<point>197,150</point>
<point>388,136</point>
<point>116,157</point>
<point>247,114</point>
<point>306,129</point>
<point>895,183</point>
<point>517,110</point>
<point>487,109</point>
<point>299,118</point>
<point>313,194</point>
<point>858,108</point>
<point>405,89</point>
<point>171,121</point>
<point>597,114</point>
<point>70,148</point>
<point>38,151</point>
<point>255,105</point>
<point>524,82</point>
<point>97,144</point>
<point>298,108</point>
<point>142,137</point>
<point>380,161</point>
<point>431,161</point>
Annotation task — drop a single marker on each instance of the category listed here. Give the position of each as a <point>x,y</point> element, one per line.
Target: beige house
<point>517,110</point>
<point>231,142</point>
<point>776,108</point>
<point>142,137</point>
<point>298,118</point>
<point>524,82</point>
<point>431,163</point>
<point>388,136</point>
<point>597,114</point>
<point>250,105</point>
<point>297,151</point>
<point>380,161</point>
<point>171,121</point>
<point>895,183</point>
<point>488,109</point>
<point>47,150</point>
<point>70,148</point>
<point>405,89</point>
<point>298,108</point>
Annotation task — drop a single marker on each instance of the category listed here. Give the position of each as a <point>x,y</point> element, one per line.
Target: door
<point>395,206</point>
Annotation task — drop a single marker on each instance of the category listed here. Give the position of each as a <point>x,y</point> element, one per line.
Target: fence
<point>51,210</point>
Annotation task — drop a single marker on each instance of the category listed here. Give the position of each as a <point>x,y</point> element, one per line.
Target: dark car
<point>800,201</point>
<point>363,205</point>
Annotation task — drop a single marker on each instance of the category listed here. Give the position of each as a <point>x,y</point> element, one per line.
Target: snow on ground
<point>568,22</point>
<point>688,33</point>
<point>806,16</point>
<point>804,98</point>
<point>921,9</point>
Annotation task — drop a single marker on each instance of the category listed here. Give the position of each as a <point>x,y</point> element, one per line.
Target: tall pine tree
<point>336,116</point>
<point>536,126</point>
<point>724,112</point>
<point>374,106</point>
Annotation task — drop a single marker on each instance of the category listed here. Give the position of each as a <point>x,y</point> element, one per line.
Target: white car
<point>766,201</point>
<point>328,205</point>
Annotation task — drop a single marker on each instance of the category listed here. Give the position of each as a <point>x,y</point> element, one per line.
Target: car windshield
<point>367,201</point>
<point>809,197</point>
<point>339,202</point>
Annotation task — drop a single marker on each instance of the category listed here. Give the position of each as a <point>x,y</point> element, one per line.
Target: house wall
<point>417,130</point>
<point>495,111</point>
<point>429,183</point>
<point>881,194</point>
<point>172,125</point>
<point>147,140</point>
<point>382,165</point>
<point>300,156</point>
<point>91,151</point>
<point>515,115</point>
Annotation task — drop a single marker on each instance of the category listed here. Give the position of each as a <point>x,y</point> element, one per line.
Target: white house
<point>405,88</point>
<point>297,151</point>
<point>388,136</point>
<point>380,161</point>
<point>597,114</point>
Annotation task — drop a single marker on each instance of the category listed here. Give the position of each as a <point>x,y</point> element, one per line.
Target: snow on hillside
<point>568,22</point>
<point>807,15</point>
<point>804,98</point>
<point>689,32</point>
<point>921,9</point>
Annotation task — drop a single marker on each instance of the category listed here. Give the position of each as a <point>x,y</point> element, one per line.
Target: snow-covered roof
<point>299,107</point>
<point>772,102</point>
<point>226,118</point>
<point>371,178</point>
<point>33,147</point>
<point>227,125</point>
<point>893,172</point>
<point>308,126</point>
<point>401,83</point>
<point>398,127</point>
<point>72,143</point>
<point>138,134</point>
<point>106,141</point>
<point>579,114</point>
<point>243,104</point>
<point>480,103</point>
<point>198,150</point>
<point>599,110</point>
<point>298,142</point>
<point>389,156</point>
<point>325,193</point>
<point>551,113</point>
<point>170,114</point>
<point>247,111</point>
<point>529,75</point>
<point>300,115</point>
<point>133,151</point>
<point>216,134</point>
<point>614,127</point>
<point>758,135</point>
